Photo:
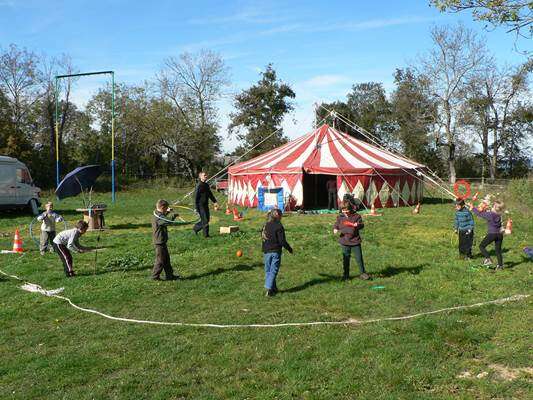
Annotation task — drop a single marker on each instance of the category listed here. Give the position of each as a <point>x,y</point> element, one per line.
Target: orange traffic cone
<point>236,215</point>
<point>417,209</point>
<point>509,227</point>
<point>228,210</point>
<point>17,243</point>
<point>373,211</point>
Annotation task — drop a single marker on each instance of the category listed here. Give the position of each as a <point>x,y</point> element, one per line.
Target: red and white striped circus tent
<point>303,166</point>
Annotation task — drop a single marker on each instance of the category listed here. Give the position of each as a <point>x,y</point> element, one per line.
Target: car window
<point>23,176</point>
<point>6,174</point>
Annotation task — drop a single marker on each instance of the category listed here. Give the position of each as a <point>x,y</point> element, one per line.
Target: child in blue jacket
<point>464,226</point>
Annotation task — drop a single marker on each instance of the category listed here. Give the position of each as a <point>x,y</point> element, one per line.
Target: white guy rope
<point>373,139</point>
<point>237,159</point>
<point>350,321</point>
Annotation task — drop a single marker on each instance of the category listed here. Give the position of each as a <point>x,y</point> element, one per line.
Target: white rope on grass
<point>53,293</point>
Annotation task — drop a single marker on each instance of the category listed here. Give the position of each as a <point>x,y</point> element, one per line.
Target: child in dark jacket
<point>494,234</point>
<point>273,237</point>
<point>160,221</point>
<point>464,226</point>
<point>348,225</point>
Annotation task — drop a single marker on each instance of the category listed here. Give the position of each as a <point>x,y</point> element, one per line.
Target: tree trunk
<point>494,158</point>
<point>451,142</point>
<point>451,163</point>
<point>485,155</point>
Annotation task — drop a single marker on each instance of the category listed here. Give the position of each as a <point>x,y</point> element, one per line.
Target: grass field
<point>50,350</point>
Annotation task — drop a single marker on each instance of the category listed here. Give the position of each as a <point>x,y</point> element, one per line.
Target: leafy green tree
<point>367,107</point>
<point>414,114</point>
<point>516,150</point>
<point>371,109</point>
<point>259,113</point>
<point>516,15</point>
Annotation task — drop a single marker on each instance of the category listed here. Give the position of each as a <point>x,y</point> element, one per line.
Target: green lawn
<point>50,350</point>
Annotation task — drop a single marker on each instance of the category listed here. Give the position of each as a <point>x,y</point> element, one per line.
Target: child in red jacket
<point>347,227</point>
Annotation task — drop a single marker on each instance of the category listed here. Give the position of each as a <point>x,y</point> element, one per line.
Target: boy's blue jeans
<point>272,264</point>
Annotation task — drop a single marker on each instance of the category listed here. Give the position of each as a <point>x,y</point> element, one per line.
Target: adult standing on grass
<point>273,236</point>
<point>347,226</point>
<point>201,201</point>
<point>331,186</point>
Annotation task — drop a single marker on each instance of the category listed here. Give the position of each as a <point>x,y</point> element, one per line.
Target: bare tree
<point>50,67</point>
<point>456,55</point>
<point>504,92</point>
<point>20,81</point>
<point>493,96</point>
<point>192,84</point>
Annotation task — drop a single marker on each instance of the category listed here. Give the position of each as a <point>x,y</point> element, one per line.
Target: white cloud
<point>258,13</point>
<point>333,26</point>
<point>325,80</point>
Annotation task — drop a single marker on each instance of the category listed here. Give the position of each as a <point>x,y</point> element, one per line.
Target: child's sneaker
<point>42,252</point>
<point>499,267</point>
<point>270,293</point>
<point>487,262</point>
<point>364,276</point>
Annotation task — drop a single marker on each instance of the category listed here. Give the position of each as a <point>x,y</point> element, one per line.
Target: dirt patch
<point>510,374</point>
<point>501,372</point>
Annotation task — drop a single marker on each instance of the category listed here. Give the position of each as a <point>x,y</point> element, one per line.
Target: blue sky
<point>321,48</point>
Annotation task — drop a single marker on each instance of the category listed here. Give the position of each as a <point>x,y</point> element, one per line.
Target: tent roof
<point>326,151</point>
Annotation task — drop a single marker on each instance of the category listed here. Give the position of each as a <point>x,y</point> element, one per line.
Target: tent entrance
<point>315,191</point>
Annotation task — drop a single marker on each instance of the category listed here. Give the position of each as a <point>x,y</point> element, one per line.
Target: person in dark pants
<point>201,201</point>
<point>348,225</point>
<point>494,234</point>
<point>67,241</point>
<point>464,226</point>
<point>160,221</point>
<point>273,241</point>
<point>331,186</point>
<point>48,227</point>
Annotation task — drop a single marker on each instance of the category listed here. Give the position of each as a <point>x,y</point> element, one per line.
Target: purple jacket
<point>494,221</point>
<point>349,235</point>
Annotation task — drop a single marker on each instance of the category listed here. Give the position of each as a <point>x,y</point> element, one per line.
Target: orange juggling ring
<point>466,185</point>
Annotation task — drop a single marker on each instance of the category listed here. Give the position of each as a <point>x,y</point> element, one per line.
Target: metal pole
<point>112,124</point>
<point>57,130</point>
<point>113,136</point>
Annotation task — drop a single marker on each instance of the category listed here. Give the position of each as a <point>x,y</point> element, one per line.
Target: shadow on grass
<point>103,270</point>
<point>326,278</point>
<point>130,226</point>
<point>513,264</point>
<point>391,271</point>
<point>218,271</point>
<point>436,200</point>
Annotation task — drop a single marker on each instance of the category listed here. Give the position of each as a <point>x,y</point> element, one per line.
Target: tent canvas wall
<point>302,166</point>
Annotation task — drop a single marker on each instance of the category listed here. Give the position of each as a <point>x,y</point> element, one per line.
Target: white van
<point>16,186</point>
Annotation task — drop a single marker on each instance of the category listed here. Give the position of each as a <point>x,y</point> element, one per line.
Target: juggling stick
<point>350,224</point>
